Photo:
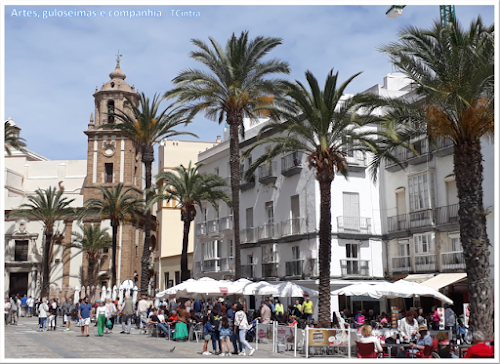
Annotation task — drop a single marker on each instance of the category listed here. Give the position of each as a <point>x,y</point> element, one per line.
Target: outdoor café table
<point>461,349</point>
<point>390,346</point>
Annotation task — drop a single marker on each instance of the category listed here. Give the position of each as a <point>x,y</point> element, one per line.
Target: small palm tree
<point>117,205</point>
<point>12,139</point>
<point>453,70</point>
<point>91,243</point>
<point>236,87</point>
<point>146,125</point>
<point>189,189</point>
<point>47,206</point>
<point>323,127</point>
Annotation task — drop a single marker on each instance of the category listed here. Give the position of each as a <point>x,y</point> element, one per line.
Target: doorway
<point>18,284</point>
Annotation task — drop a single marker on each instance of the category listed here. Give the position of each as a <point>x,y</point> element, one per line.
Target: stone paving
<point>23,341</point>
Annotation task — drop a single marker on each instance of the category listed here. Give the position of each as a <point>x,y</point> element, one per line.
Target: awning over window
<point>419,278</point>
<point>444,279</point>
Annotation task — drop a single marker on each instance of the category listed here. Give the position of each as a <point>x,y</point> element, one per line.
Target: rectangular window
<point>424,243</point>
<point>269,253</point>
<point>295,252</point>
<point>250,259</point>
<point>105,251</point>
<point>249,217</point>
<point>177,277</point>
<point>404,248</point>
<point>211,250</point>
<point>269,212</point>
<point>166,277</point>
<point>21,251</point>
<point>421,191</point>
<point>455,243</point>
<point>109,172</point>
<point>352,251</point>
<point>216,171</point>
<point>231,247</point>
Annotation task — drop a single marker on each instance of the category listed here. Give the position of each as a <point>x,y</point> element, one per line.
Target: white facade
<point>279,220</point>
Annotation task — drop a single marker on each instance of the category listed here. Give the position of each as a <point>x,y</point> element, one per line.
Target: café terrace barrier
<point>284,336</point>
<point>265,333</point>
<point>328,338</point>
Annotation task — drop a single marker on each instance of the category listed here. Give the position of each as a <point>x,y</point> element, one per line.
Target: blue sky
<point>53,65</point>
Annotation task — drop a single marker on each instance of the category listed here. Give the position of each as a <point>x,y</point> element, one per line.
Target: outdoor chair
<point>366,350</point>
<point>198,331</point>
<point>421,354</point>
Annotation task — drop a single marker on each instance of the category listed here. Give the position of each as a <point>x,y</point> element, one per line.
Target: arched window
<point>111,110</point>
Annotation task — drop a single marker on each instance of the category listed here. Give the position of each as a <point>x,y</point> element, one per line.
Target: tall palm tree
<point>146,125</point>
<point>189,189</point>
<point>12,139</point>
<point>236,87</point>
<point>91,242</point>
<point>117,205</point>
<point>324,128</point>
<point>453,69</point>
<point>47,206</point>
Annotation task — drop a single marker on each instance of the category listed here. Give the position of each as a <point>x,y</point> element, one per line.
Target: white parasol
<point>76,298</point>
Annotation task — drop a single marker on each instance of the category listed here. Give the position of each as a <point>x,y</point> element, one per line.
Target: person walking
<point>13,311</point>
<point>19,304</point>
<point>110,315</point>
<point>235,338</point>
<point>278,307</point>
<point>126,311</point>
<point>240,320</point>
<point>7,310</point>
<point>85,314</point>
<point>52,315</point>
<point>181,330</point>
<point>24,306</point>
<point>450,318</point>
<point>215,320</point>
<point>43,310</point>
<point>30,303</point>
<point>101,318</point>
<point>67,308</point>
<point>265,313</point>
<point>142,311</point>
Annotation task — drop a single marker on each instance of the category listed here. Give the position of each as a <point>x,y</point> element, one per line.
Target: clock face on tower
<point>109,150</point>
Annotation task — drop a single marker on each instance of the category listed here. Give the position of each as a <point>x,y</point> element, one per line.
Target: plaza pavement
<point>22,341</point>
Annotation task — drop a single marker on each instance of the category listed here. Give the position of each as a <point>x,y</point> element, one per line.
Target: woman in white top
<point>110,312</point>
<point>43,309</point>
<point>240,321</point>
<point>366,332</point>
<point>408,326</point>
<point>100,312</point>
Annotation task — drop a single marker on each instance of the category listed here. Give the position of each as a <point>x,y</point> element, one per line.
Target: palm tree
<point>324,128</point>
<point>147,126</point>
<point>453,69</point>
<point>47,206</point>
<point>189,189</point>
<point>91,242</point>
<point>117,205</point>
<point>12,139</point>
<point>235,88</point>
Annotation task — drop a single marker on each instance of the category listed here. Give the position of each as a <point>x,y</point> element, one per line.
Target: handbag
<point>109,324</point>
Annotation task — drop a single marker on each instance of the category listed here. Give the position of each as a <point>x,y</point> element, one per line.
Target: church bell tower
<point>113,158</point>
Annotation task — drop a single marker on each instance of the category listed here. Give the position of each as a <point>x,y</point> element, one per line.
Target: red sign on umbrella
<point>223,290</point>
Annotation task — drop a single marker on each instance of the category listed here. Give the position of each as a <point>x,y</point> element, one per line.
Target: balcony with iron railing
<point>400,154</point>
<point>269,270</point>
<point>268,231</point>
<point>212,265</point>
<point>227,186</point>
<point>246,183</point>
<point>356,161</point>
<point>431,217</point>
<point>357,225</point>
<point>198,267</point>
<point>226,223</point>
<point>444,147</point>
<point>247,235</point>
<point>355,267</point>
<point>213,226</point>
<point>268,173</point>
<point>425,263</point>
<point>200,228</point>
<point>248,271</point>
<point>269,257</point>
<point>291,164</point>
<point>402,264</point>
<point>452,261</point>
<point>422,148</point>
<point>293,226</point>
<point>294,268</point>
<point>227,264</point>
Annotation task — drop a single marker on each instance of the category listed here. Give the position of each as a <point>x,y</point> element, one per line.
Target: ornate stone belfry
<point>113,158</point>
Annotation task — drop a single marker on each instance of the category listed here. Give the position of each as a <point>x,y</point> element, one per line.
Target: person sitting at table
<point>153,320</point>
<point>367,337</point>
<point>172,319</point>
<point>193,317</point>
<point>384,319</point>
<point>370,318</point>
<point>479,349</point>
<point>443,349</point>
<point>348,318</point>
<point>408,326</point>
<point>424,340</point>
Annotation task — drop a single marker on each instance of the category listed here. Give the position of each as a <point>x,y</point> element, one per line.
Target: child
<point>225,334</point>
<point>207,334</point>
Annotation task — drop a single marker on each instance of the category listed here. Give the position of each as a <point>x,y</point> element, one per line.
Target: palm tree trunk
<point>184,256</point>
<point>234,163</point>
<point>147,159</point>
<point>468,159</point>
<point>90,270</point>
<point>114,226</point>
<point>46,262</point>
<point>325,250</point>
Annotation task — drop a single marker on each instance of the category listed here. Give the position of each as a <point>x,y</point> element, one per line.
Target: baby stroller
<point>252,331</point>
